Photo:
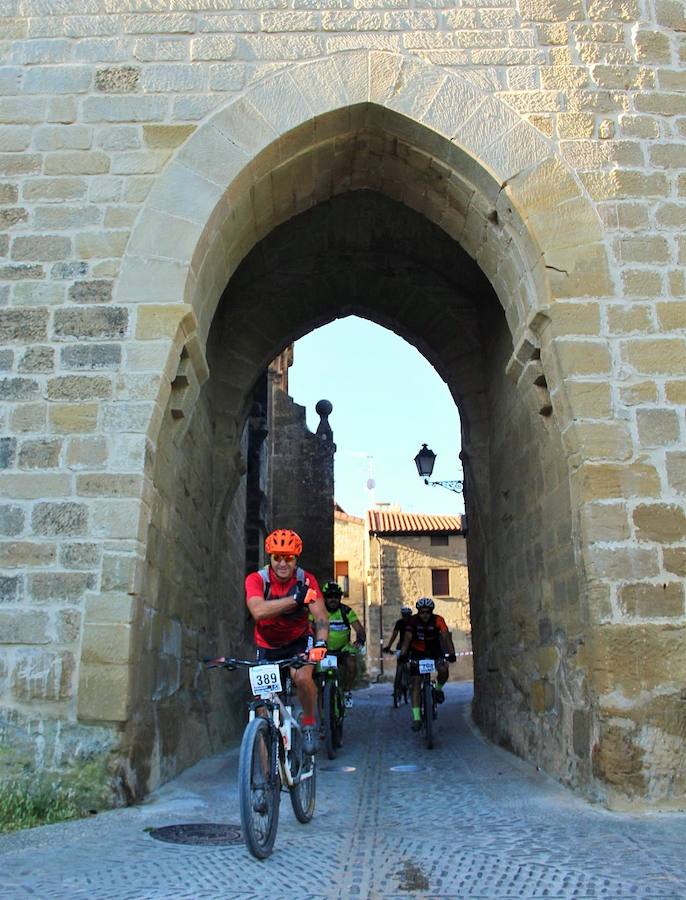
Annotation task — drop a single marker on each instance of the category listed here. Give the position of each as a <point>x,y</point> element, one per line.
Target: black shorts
<point>300,645</point>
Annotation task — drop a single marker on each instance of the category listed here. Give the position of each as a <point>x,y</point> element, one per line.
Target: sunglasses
<point>280,557</point>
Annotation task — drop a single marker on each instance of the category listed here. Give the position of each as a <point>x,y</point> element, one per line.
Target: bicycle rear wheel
<point>329,717</point>
<point>339,717</point>
<point>427,703</point>
<point>259,788</point>
<point>304,792</point>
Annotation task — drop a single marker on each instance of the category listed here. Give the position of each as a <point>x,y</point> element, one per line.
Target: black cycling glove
<point>300,594</point>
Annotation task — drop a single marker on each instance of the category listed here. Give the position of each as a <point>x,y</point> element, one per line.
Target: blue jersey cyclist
<point>341,620</point>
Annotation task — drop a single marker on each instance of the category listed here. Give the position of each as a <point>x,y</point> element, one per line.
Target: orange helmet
<point>283,540</point>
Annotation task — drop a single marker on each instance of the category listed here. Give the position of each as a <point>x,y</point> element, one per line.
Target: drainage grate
<point>201,833</point>
<point>408,768</point>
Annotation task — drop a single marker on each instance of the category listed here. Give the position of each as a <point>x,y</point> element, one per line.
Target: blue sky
<point>387,401</point>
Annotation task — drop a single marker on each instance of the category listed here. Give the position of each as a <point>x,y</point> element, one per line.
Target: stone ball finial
<point>324,408</point>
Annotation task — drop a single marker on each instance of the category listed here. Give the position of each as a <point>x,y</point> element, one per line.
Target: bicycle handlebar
<point>231,663</point>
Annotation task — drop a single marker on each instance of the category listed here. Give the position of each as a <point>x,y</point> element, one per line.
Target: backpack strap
<point>266,584</point>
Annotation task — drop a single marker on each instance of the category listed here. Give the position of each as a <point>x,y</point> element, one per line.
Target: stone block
<point>119,519</point>
<point>542,696</point>
<point>41,454</point>
<point>73,418</point>
<point>32,293</point>
<point>579,357</point>
<point>37,359</point>
<point>652,601</point>
<point>657,427</point>
<point>627,320</point>
<point>675,560</point>
<point>121,573</point>
<point>22,626</point>
<point>8,452</point>
<point>620,563</point>
<point>47,587</point>
<point>111,608</point>
<point>106,644</point>
<point>63,137</point>
<point>211,47</point>
<point>117,79</point>
<point>672,315</point>
<point>659,356</point>
<point>11,520</point>
<point>9,193</point>
<point>79,555</point>
<point>670,14</point>
<point>607,481</point>
<point>638,283</point>
<point>91,356</point>
<point>57,80</point>
<point>651,46</point>
<point>101,244</point>
<point>12,216</point>
<point>98,291</point>
<point>11,590</point>
<point>676,470</point>
<point>156,321</point>
<point>109,485</point>
<point>15,273</point>
<point>77,162</point>
<point>661,522</point>
<point>79,387</point>
<point>87,453</point>
<point>68,625</point>
<point>20,163</point>
<point>675,392</point>
<point>54,189</point>
<point>28,417</point>
<point>91,323</point>
<point>166,137</point>
<point>66,217</point>
<point>124,109</point>
<point>599,440</point>
<point>24,554</point>
<point>13,389</point>
<point>58,519</point>
<point>103,693</point>
<point>43,675</point>
<point>41,247</point>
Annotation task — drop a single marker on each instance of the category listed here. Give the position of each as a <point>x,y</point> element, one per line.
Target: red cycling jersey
<point>286,627</point>
<point>425,635</point>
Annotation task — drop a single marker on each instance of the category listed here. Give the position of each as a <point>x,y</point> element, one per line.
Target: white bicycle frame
<point>285,723</point>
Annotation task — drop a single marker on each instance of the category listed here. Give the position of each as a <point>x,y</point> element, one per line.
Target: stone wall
<point>145,155</point>
<point>349,535</point>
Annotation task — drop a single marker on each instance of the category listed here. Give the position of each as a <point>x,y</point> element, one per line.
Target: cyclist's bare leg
<point>306,689</point>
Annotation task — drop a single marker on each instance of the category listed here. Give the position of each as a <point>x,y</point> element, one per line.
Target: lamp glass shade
<point>424,461</point>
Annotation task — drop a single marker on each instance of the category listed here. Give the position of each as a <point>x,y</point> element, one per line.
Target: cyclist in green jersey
<point>341,619</point>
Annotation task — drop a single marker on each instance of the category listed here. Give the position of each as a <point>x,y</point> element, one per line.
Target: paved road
<point>474,822</point>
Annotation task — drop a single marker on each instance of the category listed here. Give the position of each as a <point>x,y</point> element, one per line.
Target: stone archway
<point>489,180</point>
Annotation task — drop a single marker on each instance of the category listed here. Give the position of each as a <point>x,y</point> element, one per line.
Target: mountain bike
<point>427,698</point>
<point>271,756</point>
<point>331,703</point>
<point>401,682</point>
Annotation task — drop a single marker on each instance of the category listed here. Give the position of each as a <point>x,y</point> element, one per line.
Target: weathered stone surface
<point>44,675</point>
<point>11,520</point>
<point>23,324</point>
<point>37,359</point>
<point>18,389</point>
<point>117,79</point>
<point>41,247</point>
<point>24,627</point>
<point>91,292</point>
<point>91,356</point>
<point>21,554</point>
<point>79,387</point>
<point>45,587</point>
<point>665,523</point>
<point>11,588</point>
<point>79,555</point>
<point>73,418</point>
<point>676,470</point>
<point>43,454</point>
<point>60,518</point>
<point>91,322</point>
<point>652,601</point>
<point>8,450</point>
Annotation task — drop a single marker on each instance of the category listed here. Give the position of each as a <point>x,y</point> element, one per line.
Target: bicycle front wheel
<point>304,792</point>
<point>397,686</point>
<point>259,788</point>
<point>329,718</point>
<point>427,703</point>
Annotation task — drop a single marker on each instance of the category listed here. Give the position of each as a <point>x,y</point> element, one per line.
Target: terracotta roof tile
<point>382,522</point>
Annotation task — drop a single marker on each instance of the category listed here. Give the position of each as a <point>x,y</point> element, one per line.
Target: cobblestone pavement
<point>473,822</point>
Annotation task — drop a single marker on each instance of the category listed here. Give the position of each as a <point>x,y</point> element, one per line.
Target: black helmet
<point>332,589</point>
<point>405,611</point>
<point>425,603</point>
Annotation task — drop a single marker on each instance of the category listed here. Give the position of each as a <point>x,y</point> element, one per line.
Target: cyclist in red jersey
<point>280,598</point>
<point>426,637</point>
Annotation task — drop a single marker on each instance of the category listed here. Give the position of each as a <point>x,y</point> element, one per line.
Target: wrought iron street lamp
<point>424,461</point>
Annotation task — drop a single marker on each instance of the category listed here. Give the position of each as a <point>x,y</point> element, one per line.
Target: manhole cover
<point>345,769</point>
<point>203,833</point>
<point>408,768</point>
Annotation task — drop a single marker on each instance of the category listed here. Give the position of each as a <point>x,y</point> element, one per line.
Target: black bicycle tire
<point>405,682</point>
<point>427,696</point>
<point>339,719</point>
<point>303,811</point>
<point>397,687</point>
<point>328,719</point>
<point>260,847</point>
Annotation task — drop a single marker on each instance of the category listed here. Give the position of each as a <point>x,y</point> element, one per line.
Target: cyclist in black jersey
<point>399,628</point>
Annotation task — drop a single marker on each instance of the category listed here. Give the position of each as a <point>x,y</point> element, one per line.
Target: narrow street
<point>472,821</point>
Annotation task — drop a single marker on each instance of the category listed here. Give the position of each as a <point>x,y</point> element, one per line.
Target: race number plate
<point>329,662</point>
<point>426,666</point>
<point>265,680</point>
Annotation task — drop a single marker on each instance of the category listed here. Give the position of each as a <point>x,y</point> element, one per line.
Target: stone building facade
<point>412,555</point>
<point>186,191</point>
